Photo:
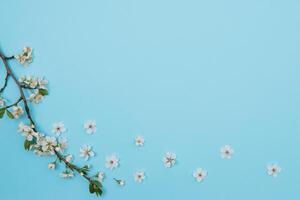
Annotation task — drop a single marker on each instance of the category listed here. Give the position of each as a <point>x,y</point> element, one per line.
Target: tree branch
<point>14,104</point>
<point>5,83</point>
<point>27,109</point>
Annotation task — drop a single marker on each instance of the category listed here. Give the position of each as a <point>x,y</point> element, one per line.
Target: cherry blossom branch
<point>94,185</point>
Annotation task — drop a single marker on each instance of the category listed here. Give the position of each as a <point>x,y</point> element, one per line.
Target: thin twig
<point>14,104</point>
<point>5,83</point>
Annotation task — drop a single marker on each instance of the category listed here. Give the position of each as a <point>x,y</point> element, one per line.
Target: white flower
<point>2,102</point>
<point>36,97</point>
<point>226,152</point>
<point>139,141</point>
<point>139,176</point>
<point>62,145</point>
<point>101,176</point>
<point>59,128</point>
<point>42,82</point>
<point>90,127</point>
<point>199,174</point>
<point>86,152</point>
<point>27,131</point>
<point>17,111</point>
<point>52,165</point>
<point>25,57</point>
<point>67,174</point>
<point>112,162</point>
<point>169,159</point>
<point>69,158</point>
<point>120,182</point>
<point>273,170</point>
<point>48,144</point>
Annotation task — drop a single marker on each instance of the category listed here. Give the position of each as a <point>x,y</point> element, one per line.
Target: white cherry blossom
<point>17,111</point>
<point>2,102</point>
<point>100,176</point>
<point>112,162</point>
<point>199,174</point>
<point>226,152</point>
<point>139,141</point>
<point>69,158</point>
<point>52,165</point>
<point>25,57</point>
<point>58,128</point>
<point>90,127</point>
<point>48,144</point>
<point>169,159</point>
<point>120,182</point>
<point>139,176</point>
<point>62,144</point>
<point>86,152</point>
<point>273,170</point>
<point>36,97</point>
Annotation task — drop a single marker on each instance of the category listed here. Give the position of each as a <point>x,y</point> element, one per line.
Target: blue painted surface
<point>189,75</point>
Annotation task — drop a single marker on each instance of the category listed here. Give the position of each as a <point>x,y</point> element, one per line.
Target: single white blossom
<point>36,97</point>
<point>273,170</point>
<point>2,102</point>
<point>226,152</point>
<point>120,182</point>
<point>25,57</point>
<point>52,165</point>
<point>69,158</point>
<point>62,145</point>
<point>58,128</point>
<point>17,111</point>
<point>169,159</point>
<point>90,127</point>
<point>48,144</point>
<point>112,162</point>
<point>86,152</point>
<point>27,131</point>
<point>67,174</point>
<point>100,176</point>
<point>42,82</point>
<point>139,176</point>
<point>139,141</point>
<point>199,174</point>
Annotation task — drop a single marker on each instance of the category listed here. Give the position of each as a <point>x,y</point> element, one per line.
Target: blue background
<point>189,75</point>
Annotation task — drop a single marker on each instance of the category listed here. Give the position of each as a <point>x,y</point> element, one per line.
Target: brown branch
<point>5,83</point>
<point>8,70</point>
<point>62,158</point>
<point>27,109</point>
<point>14,104</point>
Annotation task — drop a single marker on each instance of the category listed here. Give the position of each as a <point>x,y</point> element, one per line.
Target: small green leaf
<point>43,92</point>
<point>2,111</point>
<point>91,188</point>
<point>9,114</point>
<point>27,145</point>
<point>95,187</point>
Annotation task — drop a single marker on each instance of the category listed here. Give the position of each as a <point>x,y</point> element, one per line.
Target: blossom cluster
<point>37,87</point>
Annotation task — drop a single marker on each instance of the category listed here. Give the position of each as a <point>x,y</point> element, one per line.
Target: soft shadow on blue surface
<point>189,75</point>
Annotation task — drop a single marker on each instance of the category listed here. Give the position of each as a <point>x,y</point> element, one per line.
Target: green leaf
<point>91,188</point>
<point>95,187</point>
<point>2,111</point>
<point>27,145</point>
<point>43,92</point>
<point>9,114</point>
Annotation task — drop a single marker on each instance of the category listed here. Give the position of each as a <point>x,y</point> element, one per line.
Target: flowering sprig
<point>33,89</point>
